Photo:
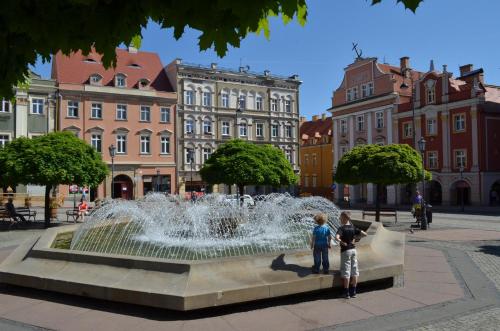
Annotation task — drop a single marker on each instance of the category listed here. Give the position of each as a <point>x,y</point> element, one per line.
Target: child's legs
<point>317,258</point>
<point>354,268</point>
<point>324,256</point>
<point>345,268</point>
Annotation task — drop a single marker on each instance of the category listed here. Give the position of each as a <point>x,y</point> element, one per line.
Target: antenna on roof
<point>355,49</point>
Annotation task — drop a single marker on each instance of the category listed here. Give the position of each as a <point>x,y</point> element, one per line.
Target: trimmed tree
<point>50,160</point>
<point>380,165</point>
<point>243,163</point>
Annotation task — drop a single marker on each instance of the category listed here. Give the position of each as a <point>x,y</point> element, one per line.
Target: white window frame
<point>463,156</point>
<point>243,129</point>
<point>370,89</point>
<point>95,79</point>
<point>432,160</point>
<point>145,143</point>
<point>288,106</point>
<point>145,113</point>
<point>431,126</point>
<point>3,141</point>
<point>189,123</point>
<point>355,93</point>
<point>288,131</point>
<point>274,104</point>
<point>379,120</point>
<point>348,95</point>
<point>164,144</point>
<point>207,126</point>
<point>431,94</point>
<point>164,115</point>
<point>207,152</point>
<point>96,107</point>
<point>343,126</point>
<point>242,102</point>
<point>121,112</point>
<point>225,128</point>
<point>189,97</point>
<point>288,155</point>
<point>407,130</point>
<point>275,130</point>
<point>96,141</point>
<point>37,107</point>
<point>207,99</point>
<point>5,106</point>
<point>364,90</point>
<point>120,81</point>
<point>259,130</point>
<point>225,99</point>
<point>73,106</point>
<point>461,119</point>
<point>360,123</point>
<point>259,102</point>
<point>189,155</point>
<point>121,143</point>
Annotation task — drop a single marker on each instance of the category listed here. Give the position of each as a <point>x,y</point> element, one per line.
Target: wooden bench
<point>73,212</point>
<point>27,213</point>
<point>4,215</point>
<point>371,211</point>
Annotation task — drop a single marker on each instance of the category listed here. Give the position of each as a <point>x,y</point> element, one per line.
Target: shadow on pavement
<point>490,249</point>
<point>280,264</point>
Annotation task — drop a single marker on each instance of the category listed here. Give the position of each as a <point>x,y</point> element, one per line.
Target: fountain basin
<point>193,284</point>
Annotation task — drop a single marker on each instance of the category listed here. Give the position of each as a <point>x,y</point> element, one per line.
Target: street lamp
<point>405,86</point>
<point>157,180</point>
<point>112,153</point>
<point>462,189</point>
<point>423,221</point>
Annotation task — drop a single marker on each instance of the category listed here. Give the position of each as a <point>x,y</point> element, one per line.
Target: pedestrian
<point>11,210</point>
<point>83,208</point>
<point>348,257</point>
<point>320,243</point>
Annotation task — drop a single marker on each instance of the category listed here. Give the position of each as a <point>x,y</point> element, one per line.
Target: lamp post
<point>112,153</point>
<point>462,189</point>
<point>238,110</point>
<point>413,96</point>
<point>191,161</point>
<point>157,180</point>
<point>423,221</point>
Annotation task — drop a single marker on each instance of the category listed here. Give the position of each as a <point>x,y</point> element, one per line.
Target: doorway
<point>123,188</point>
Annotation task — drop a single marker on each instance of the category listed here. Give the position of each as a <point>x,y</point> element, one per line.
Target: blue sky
<point>452,32</point>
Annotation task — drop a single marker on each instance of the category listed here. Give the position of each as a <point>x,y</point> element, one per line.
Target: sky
<point>452,32</point>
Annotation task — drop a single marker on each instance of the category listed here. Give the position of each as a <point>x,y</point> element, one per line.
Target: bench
<point>27,213</point>
<point>73,212</point>
<point>371,211</point>
<point>4,215</point>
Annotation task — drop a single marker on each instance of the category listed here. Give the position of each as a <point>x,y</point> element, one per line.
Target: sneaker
<point>352,292</point>
<point>346,296</point>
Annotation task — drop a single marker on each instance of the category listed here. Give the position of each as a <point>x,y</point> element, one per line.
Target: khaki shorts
<point>349,264</point>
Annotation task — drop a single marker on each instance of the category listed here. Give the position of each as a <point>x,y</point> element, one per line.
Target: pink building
<point>130,107</point>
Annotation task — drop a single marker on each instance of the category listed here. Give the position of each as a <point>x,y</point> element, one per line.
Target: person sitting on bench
<point>11,210</point>
<point>83,208</point>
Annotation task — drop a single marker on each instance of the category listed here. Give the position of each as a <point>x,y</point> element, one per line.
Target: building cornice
<point>363,102</point>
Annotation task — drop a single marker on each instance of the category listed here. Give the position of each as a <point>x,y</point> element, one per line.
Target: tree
<point>50,160</point>
<point>380,165</point>
<point>243,163</point>
<point>32,28</point>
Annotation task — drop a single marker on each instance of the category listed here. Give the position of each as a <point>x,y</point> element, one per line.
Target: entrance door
<point>123,188</point>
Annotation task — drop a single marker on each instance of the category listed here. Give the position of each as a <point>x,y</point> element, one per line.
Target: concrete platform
<point>189,285</point>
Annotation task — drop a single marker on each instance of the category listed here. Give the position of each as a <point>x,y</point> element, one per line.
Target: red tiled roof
<point>323,127</point>
<point>77,69</point>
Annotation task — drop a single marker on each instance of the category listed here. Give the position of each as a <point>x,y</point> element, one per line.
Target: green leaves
<point>409,4</point>
<point>243,163</point>
<point>388,164</point>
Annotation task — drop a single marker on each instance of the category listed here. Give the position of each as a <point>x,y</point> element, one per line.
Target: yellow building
<point>316,156</point>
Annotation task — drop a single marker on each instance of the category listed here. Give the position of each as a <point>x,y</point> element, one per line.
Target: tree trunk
<point>377,203</point>
<point>241,189</point>
<point>47,205</point>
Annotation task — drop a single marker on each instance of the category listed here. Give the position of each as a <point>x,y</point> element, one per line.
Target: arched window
<point>95,79</point>
<point>121,80</point>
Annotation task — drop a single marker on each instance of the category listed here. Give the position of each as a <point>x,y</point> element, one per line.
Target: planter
<point>53,213</point>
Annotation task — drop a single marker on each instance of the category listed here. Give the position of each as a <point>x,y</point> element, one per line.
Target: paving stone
<point>483,320</point>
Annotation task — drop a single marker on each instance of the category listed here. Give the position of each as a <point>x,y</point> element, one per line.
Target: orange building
<point>316,156</point>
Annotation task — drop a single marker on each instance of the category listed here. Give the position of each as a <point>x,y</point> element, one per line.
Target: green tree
<point>40,28</point>
<point>243,163</point>
<point>50,160</point>
<point>380,165</point>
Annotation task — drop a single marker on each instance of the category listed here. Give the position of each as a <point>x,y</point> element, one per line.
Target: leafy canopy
<point>243,163</point>
<point>39,28</point>
<point>52,159</point>
<point>388,164</point>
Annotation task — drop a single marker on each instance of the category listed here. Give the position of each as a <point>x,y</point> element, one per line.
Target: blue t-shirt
<point>321,233</point>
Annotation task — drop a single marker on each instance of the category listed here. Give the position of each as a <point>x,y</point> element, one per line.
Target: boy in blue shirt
<point>320,243</point>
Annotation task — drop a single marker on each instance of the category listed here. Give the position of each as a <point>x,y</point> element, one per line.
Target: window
<point>189,97</point>
<point>314,180</point>
<point>37,106</point>
<point>165,144</point>
<point>274,104</point>
<point>432,160</point>
<point>459,122</point>
<point>306,181</point>
<point>242,102</point>
<point>189,125</point>
<point>4,139</point>
<point>355,93</point>
<point>258,102</point>
<point>96,142</point>
<point>165,115</point>
<point>207,126</point>
<point>343,126</point>
<point>207,152</point>
<point>360,122</point>
<point>259,130</point>
<point>370,89</point>
<point>96,110</point>
<point>460,158</point>
<point>121,144</point>
<point>364,91</point>
<point>274,130</point>
<point>288,106</point>
<point>306,159</point>
<point>5,106</point>
<point>225,100</point>
<point>431,94</point>
<point>288,131</point>
<point>207,99</point>
<point>145,144</point>
<point>314,159</point>
<point>288,154</point>
<point>225,128</point>
<point>243,129</point>
<point>120,81</point>
<point>145,114</point>
<point>431,126</point>
<point>72,108</point>
<point>379,118</point>
<point>121,112</point>
<point>407,130</point>
<point>349,95</point>
<point>95,79</point>
<point>189,155</point>
<point>343,150</point>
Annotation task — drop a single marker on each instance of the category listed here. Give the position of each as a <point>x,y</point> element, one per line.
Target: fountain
<point>171,253</point>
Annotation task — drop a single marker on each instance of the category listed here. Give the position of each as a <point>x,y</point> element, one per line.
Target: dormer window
<point>430,91</point>
<point>89,60</point>
<point>120,80</point>
<point>134,65</point>
<point>143,83</point>
<point>95,79</point>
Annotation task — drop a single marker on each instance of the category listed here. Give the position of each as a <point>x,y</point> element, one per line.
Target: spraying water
<point>212,227</point>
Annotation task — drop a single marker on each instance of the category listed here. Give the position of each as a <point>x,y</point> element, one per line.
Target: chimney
<point>302,119</point>
<point>466,68</point>
<point>178,60</point>
<point>323,116</point>
<point>445,68</point>
<point>315,117</point>
<point>404,62</point>
<point>213,65</point>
